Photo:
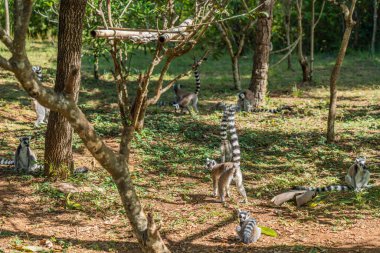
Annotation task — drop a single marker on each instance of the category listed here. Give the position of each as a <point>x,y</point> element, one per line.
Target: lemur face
<point>24,141</point>
<point>210,163</point>
<point>243,215</point>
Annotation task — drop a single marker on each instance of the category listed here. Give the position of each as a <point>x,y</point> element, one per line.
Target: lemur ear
<point>20,138</point>
<point>238,211</point>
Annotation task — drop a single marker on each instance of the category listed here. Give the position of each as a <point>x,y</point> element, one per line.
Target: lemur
<point>356,179</point>
<point>185,99</point>
<point>244,103</point>
<point>25,160</point>
<point>41,111</point>
<point>223,173</point>
<point>247,231</point>
<point>225,146</point>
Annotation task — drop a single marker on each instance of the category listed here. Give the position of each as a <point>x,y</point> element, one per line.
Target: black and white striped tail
<point>38,71</point>
<point>234,138</point>
<point>276,110</point>
<point>6,162</point>
<point>324,189</point>
<point>248,230</point>
<point>223,125</point>
<point>197,81</point>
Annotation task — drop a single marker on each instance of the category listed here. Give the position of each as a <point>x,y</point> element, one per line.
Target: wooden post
<point>176,32</point>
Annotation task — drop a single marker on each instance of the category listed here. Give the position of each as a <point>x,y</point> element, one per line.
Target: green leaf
<point>268,231</point>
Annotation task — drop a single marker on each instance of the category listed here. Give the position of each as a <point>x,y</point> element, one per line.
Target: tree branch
<point>4,37</point>
<point>320,14</point>
<point>4,63</point>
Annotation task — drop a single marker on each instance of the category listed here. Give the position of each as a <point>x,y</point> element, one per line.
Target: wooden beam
<point>176,33</point>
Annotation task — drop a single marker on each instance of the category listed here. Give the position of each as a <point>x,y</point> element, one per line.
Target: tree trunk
<point>7,23</point>
<point>373,41</point>
<point>301,58</point>
<point>236,72</point>
<point>58,142</point>
<point>312,39</point>
<point>259,79</point>
<point>349,24</point>
<point>287,12</point>
<point>96,65</point>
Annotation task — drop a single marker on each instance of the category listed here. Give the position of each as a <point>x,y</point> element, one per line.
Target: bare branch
<point>4,37</point>
<point>320,14</point>
<point>4,63</point>
<point>22,13</point>
<point>293,46</point>
<point>125,9</point>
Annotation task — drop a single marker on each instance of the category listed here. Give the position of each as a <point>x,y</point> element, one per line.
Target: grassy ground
<point>278,152</point>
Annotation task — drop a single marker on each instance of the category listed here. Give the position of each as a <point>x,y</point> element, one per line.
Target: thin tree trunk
<point>287,16</point>
<point>259,79</point>
<point>96,65</point>
<point>301,58</point>
<point>236,72</point>
<point>312,39</point>
<point>373,41</point>
<point>349,24</point>
<point>7,23</point>
<point>58,141</point>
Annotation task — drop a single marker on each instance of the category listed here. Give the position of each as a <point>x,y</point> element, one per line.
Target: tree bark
<point>58,141</point>
<point>7,22</point>
<point>349,24</point>
<point>373,41</point>
<point>287,16</point>
<point>301,58</point>
<point>259,79</point>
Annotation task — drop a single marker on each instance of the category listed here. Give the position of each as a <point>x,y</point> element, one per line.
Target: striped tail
<point>234,138</point>
<point>197,81</point>
<point>324,189</point>
<point>276,110</point>
<point>38,71</point>
<point>6,162</point>
<point>223,125</point>
<point>248,230</point>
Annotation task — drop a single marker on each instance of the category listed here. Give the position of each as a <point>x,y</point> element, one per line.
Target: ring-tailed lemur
<point>247,231</point>
<point>223,173</point>
<point>244,103</point>
<point>225,146</point>
<point>25,160</point>
<point>356,179</point>
<point>41,111</point>
<point>185,99</point>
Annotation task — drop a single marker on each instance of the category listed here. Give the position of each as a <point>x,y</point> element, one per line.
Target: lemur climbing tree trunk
<point>349,24</point>
<point>301,58</point>
<point>58,141</point>
<point>259,79</point>
<point>373,40</point>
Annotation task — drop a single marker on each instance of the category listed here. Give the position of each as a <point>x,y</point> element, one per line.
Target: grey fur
<point>41,111</point>
<point>245,100</point>
<point>185,100</point>
<point>25,159</point>
<point>247,231</point>
<point>357,178</point>
<point>225,145</point>
<point>225,172</point>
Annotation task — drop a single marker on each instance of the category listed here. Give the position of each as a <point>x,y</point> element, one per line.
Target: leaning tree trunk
<point>373,41</point>
<point>301,58</point>
<point>6,12</point>
<point>259,79</point>
<point>349,24</point>
<point>58,142</point>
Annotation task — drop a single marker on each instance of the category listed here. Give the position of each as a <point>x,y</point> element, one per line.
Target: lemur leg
<point>215,186</point>
<point>349,181</point>
<point>195,104</point>
<point>240,187</point>
<point>363,181</point>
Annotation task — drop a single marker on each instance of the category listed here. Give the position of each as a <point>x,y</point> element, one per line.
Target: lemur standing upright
<point>223,173</point>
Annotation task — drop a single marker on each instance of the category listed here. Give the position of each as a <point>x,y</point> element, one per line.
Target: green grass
<point>278,151</point>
